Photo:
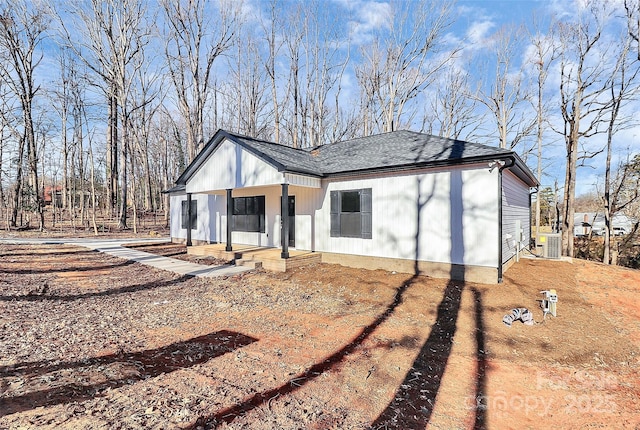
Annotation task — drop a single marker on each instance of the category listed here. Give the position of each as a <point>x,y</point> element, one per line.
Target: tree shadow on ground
<point>131,367</point>
<point>60,253</point>
<point>89,268</point>
<point>152,285</point>
<point>231,413</point>
<point>413,403</point>
<point>479,405</point>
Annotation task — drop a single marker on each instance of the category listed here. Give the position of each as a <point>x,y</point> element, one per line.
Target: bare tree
<point>147,96</point>
<point>88,29</point>
<point>508,97</point>
<point>92,173</point>
<point>245,92</point>
<point>324,71</point>
<point>293,41</point>
<point>399,65</point>
<point>632,9</point>
<point>272,28</point>
<point>308,112</point>
<point>116,33</point>
<point>6,129</point>
<point>544,53</point>
<point>194,42</point>
<point>452,112</point>
<point>623,86</point>
<point>582,85</point>
<point>168,144</point>
<point>22,30</point>
<point>68,101</point>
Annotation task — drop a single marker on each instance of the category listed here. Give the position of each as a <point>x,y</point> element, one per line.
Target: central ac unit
<point>551,244</point>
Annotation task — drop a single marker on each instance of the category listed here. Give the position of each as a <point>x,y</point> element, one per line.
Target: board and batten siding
<point>230,167</point>
<point>210,227</point>
<point>439,215</point>
<point>515,210</point>
<point>271,235</point>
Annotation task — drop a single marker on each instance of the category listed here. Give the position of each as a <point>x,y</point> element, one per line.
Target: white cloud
<point>473,28</point>
<point>365,18</point>
<point>479,32</point>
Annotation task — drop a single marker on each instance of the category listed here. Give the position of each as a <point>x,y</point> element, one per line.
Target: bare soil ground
<point>90,341</point>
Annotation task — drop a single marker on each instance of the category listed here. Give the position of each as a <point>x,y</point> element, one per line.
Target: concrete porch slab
<point>253,256</point>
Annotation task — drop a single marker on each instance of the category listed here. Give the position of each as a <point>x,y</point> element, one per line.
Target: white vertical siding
<point>515,207</point>
<point>175,216</point>
<point>231,166</point>
<point>444,215</point>
<point>210,210</point>
<point>302,180</point>
<point>308,203</point>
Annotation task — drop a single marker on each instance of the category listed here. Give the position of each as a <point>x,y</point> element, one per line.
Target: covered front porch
<point>257,256</point>
<point>257,209</point>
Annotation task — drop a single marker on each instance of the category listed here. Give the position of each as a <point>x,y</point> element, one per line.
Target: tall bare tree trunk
<point>112,152</point>
<point>581,86</point>
<point>22,29</point>
<point>17,200</point>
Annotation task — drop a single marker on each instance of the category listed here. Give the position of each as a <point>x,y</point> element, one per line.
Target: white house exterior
<point>399,201</point>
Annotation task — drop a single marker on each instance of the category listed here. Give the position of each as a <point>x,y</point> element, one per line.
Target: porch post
<point>189,215</point>
<point>229,220</point>
<point>284,220</point>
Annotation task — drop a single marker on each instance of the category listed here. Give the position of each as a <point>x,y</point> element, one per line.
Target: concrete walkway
<point>114,247</point>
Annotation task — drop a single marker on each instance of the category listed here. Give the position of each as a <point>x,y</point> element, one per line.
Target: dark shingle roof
<point>285,158</point>
<point>399,149</point>
<point>393,150</point>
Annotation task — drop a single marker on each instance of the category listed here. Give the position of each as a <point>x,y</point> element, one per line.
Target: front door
<point>292,221</point>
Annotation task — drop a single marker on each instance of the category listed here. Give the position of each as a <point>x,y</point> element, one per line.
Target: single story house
<point>402,201</point>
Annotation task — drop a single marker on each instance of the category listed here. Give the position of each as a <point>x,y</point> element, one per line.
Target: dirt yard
<point>88,341</point>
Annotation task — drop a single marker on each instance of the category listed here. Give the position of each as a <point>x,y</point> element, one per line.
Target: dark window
<point>194,214</point>
<point>248,214</point>
<point>351,213</point>
<point>350,201</point>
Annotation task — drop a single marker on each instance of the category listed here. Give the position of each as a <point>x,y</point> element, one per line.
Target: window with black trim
<point>351,213</point>
<point>248,214</point>
<point>194,214</point>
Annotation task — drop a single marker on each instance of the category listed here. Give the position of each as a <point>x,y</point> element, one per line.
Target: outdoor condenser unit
<point>551,244</point>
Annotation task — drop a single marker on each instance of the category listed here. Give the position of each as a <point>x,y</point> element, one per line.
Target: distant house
<point>397,201</point>
<point>53,194</point>
<point>593,223</point>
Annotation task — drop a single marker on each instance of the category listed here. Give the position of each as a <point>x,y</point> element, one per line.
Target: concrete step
<point>252,264</point>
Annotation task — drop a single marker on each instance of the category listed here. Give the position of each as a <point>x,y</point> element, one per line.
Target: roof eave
<point>523,172</point>
<point>177,189</point>
<point>427,164</point>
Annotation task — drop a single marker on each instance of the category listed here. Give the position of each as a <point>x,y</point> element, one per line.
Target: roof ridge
<point>255,139</point>
<point>366,137</point>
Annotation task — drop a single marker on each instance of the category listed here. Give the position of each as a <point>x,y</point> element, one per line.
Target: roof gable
<point>235,166</point>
